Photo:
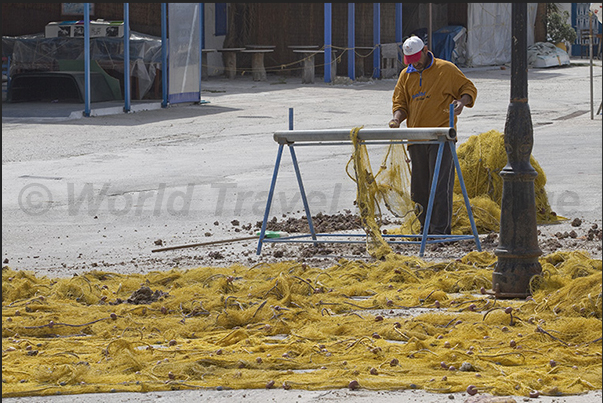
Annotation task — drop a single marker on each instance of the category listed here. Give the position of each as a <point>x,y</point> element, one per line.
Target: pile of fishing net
<point>399,323</point>
<point>395,323</point>
<point>481,158</point>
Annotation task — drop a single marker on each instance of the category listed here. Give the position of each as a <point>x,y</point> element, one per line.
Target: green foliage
<point>558,30</point>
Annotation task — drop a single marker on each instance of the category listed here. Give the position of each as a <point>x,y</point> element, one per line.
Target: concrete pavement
<point>80,193</point>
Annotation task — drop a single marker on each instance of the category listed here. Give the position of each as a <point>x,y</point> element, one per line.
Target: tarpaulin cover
<point>595,8</point>
<point>489,32</point>
<point>37,53</point>
<point>449,43</point>
<point>545,54</point>
<point>58,86</point>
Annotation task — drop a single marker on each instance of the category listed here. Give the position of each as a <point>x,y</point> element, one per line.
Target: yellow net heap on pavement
<point>395,323</point>
<point>398,323</point>
<point>481,159</point>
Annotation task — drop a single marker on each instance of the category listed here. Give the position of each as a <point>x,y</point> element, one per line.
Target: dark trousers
<point>423,160</point>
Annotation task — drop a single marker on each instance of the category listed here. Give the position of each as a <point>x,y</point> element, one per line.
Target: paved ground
<point>296,396</point>
<point>81,193</point>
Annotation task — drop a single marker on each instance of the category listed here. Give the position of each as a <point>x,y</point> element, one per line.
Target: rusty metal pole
<point>518,249</point>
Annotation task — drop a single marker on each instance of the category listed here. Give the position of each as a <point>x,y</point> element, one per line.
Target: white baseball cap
<point>412,48</point>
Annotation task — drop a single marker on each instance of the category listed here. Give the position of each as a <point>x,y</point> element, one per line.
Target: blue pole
<point>327,42</point>
<point>203,22</point>
<point>87,59</point>
<point>399,32</point>
<point>302,192</point>
<point>201,45</point>
<point>164,57</point>
<point>459,173</point>
<point>434,183</point>
<point>279,154</point>
<point>127,85</point>
<point>457,165</point>
<point>377,40</point>
<point>351,41</point>
<point>290,118</point>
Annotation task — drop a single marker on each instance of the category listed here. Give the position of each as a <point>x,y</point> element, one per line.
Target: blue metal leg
<point>303,192</point>
<point>270,195</point>
<point>434,183</point>
<point>465,196</point>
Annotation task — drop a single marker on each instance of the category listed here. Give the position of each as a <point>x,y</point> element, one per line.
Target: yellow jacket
<point>425,96</point>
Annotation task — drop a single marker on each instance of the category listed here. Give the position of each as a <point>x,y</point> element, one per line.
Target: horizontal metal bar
<point>436,238</point>
<point>372,143</point>
<point>383,235</point>
<point>417,133</point>
<point>283,240</point>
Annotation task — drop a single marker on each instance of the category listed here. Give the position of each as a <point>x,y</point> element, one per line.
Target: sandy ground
<point>103,192</point>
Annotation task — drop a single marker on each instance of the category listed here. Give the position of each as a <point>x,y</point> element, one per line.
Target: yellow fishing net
<point>370,192</point>
<point>398,323</point>
<point>481,159</point>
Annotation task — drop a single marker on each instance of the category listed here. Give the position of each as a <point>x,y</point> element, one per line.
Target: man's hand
<point>459,104</point>
<point>398,118</point>
<point>458,107</point>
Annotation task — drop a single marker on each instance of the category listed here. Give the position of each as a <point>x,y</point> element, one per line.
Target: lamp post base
<point>511,277</point>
